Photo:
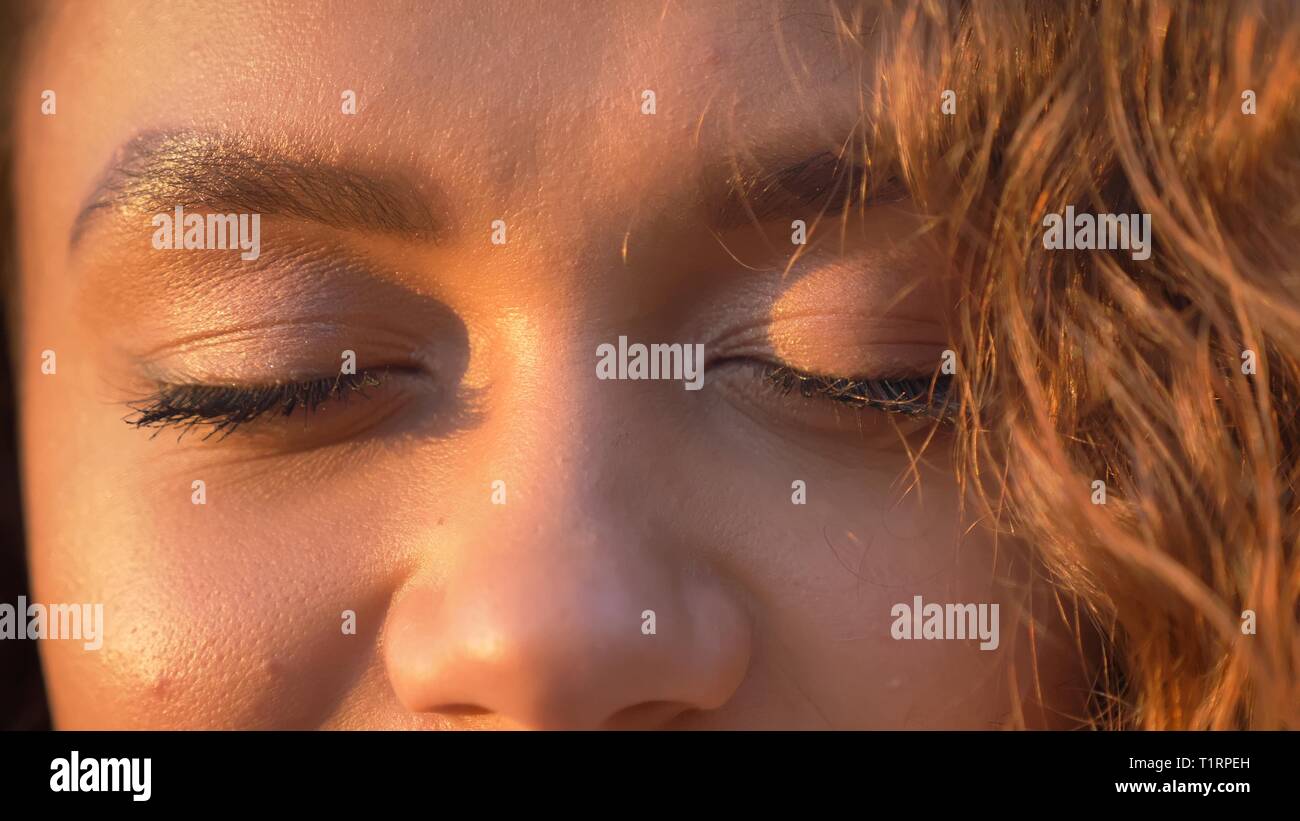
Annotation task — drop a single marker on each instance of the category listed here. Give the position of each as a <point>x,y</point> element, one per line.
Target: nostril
<point>461,710</point>
<point>646,715</point>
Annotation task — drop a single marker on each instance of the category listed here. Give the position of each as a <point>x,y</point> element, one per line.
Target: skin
<point>622,496</point>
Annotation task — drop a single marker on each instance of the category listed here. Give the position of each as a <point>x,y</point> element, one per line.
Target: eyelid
<point>222,408</point>
<point>914,396</point>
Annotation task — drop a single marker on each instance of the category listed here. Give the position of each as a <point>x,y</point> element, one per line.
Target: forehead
<point>487,47</point>
<point>498,91</point>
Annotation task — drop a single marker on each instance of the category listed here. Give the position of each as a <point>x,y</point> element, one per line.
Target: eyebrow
<point>825,182</point>
<point>156,171</point>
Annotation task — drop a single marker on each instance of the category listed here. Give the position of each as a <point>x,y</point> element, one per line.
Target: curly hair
<point>1173,380</point>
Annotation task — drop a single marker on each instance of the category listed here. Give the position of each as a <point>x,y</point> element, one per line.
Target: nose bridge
<point>568,563</point>
<point>556,434</point>
<point>560,531</point>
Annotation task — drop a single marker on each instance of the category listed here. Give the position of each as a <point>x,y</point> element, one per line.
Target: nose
<point>576,629</point>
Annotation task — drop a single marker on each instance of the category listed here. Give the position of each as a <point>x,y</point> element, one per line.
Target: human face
<point>493,536</point>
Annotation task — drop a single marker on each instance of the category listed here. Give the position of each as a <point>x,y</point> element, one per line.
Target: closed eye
<point>915,396</point>
<point>221,409</point>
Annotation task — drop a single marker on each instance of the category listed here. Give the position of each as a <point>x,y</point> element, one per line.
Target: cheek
<point>854,552</point>
<point>225,614</point>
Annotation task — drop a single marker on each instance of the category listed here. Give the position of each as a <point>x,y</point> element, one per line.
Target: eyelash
<point>224,408</point>
<point>916,396</point>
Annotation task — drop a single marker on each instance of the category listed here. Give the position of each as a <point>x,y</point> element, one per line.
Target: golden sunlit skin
<point>498,519</point>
